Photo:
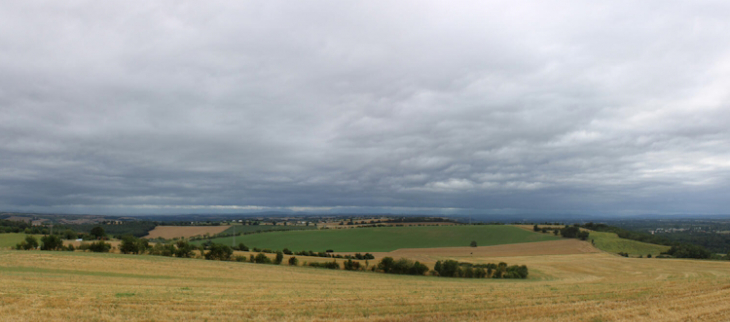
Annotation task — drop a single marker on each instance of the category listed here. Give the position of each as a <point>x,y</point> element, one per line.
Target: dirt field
<point>64,286</point>
<point>169,232</point>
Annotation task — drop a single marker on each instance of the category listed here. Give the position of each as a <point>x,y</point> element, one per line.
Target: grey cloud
<point>473,107</point>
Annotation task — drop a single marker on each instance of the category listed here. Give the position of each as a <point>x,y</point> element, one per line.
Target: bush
<point>129,245</point>
<point>51,242</point>
<point>329,265</point>
<point>219,252</point>
<point>30,242</point>
<point>352,266</point>
<point>70,248</point>
<point>473,243</point>
<point>279,258</point>
<point>261,258</point>
<point>100,247</point>
<point>293,261</point>
<point>240,258</point>
<point>401,266</point>
<point>185,249</point>
<point>242,247</point>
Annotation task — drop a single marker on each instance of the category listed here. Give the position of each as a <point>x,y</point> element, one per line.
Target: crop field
<point>66,286</point>
<point>169,232</point>
<point>387,239</point>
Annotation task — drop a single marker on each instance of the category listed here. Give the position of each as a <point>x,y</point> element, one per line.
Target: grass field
<point>12,239</point>
<point>610,242</point>
<point>62,286</point>
<point>389,239</point>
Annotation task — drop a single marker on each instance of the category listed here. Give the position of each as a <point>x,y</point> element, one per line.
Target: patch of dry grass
<point>42,286</point>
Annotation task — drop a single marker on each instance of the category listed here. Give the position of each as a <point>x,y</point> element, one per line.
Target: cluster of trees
<point>328,265</point>
<point>688,251</point>
<point>402,266</point>
<point>50,242</point>
<point>451,268</point>
<point>567,231</point>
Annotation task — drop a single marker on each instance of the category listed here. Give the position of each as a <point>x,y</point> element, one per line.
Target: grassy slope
<point>388,239</point>
<point>610,242</point>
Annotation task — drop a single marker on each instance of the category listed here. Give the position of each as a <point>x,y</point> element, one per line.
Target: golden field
<point>170,232</point>
<point>70,286</point>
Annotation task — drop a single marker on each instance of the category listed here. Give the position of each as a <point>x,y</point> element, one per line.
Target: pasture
<point>64,286</point>
<point>11,239</point>
<point>385,239</point>
<point>610,242</point>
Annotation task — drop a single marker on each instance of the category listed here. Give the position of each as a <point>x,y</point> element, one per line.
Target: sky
<point>434,107</point>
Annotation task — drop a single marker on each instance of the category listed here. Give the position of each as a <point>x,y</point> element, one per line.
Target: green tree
<point>293,261</point>
<point>70,234</point>
<point>97,232</point>
<point>51,242</point>
<point>184,249</point>
<point>219,252</point>
<point>129,245</point>
<point>100,247</point>
<point>473,243</point>
<point>30,242</point>
<point>279,258</point>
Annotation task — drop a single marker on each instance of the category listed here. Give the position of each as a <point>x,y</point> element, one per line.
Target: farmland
<point>385,239</point>
<point>610,242</point>
<point>10,239</point>
<point>169,232</point>
<point>579,287</point>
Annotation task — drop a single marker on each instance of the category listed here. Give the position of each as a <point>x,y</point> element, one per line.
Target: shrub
<point>129,245</point>
<point>473,243</point>
<point>219,252</point>
<point>100,247</point>
<point>240,258</point>
<point>185,250</point>
<point>261,258</point>
<point>279,258</point>
<point>352,266</point>
<point>293,261</point>
<point>329,265</point>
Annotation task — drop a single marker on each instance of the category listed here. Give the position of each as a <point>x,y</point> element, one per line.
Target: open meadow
<point>385,239</point>
<point>73,286</point>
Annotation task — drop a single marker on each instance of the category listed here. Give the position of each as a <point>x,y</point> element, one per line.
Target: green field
<point>387,239</point>
<point>611,243</point>
<point>11,239</point>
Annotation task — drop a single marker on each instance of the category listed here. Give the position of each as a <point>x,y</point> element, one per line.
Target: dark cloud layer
<point>447,107</point>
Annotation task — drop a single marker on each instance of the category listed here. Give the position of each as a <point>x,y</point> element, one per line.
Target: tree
<point>293,261</point>
<point>219,252</point>
<point>279,258</point>
<point>129,245</point>
<point>184,249</point>
<point>261,258</point>
<point>51,242</point>
<point>30,242</point>
<point>473,243</point>
<point>97,232</point>
<point>70,234</point>
<point>100,247</point>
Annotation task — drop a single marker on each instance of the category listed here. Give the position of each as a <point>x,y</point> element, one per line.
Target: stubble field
<point>579,287</point>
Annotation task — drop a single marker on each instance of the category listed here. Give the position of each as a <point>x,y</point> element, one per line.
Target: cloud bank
<point>433,106</point>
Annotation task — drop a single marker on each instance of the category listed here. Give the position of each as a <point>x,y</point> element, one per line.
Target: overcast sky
<point>585,107</point>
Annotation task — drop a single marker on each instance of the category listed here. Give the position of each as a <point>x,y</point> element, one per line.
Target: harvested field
<point>169,232</point>
<point>431,255</point>
<point>63,286</point>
